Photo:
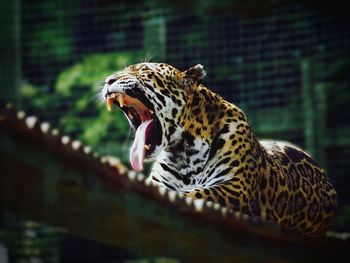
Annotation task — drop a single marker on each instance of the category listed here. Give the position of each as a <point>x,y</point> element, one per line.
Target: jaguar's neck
<point>181,161</point>
<point>196,146</point>
<point>205,114</point>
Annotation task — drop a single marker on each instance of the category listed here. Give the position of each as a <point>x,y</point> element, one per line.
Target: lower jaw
<point>151,156</point>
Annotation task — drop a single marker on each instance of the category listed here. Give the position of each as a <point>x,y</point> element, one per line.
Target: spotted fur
<point>209,151</point>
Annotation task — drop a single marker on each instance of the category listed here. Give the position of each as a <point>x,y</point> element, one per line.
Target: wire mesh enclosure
<point>285,64</point>
<point>270,59</point>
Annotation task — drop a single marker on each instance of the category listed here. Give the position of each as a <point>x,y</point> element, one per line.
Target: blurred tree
<point>49,42</point>
<point>76,98</point>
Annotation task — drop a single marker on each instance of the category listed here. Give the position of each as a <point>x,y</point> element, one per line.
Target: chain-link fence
<point>267,58</point>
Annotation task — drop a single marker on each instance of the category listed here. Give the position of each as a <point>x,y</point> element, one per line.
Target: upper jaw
<point>126,87</point>
<point>118,86</point>
<point>132,100</point>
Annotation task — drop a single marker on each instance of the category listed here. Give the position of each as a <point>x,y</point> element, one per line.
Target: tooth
<point>147,147</point>
<point>109,104</point>
<point>121,100</point>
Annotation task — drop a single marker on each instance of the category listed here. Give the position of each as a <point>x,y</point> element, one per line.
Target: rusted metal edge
<point>48,177</point>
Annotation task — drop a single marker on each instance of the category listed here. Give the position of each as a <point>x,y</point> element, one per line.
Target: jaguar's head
<point>153,97</point>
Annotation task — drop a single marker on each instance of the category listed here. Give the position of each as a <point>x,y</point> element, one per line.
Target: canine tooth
<point>162,191</point>
<point>172,196</point>
<point>109,104</point>
<point>121,100</point>
<point>21,114</point>
<point>198,204</point>
<point>45,127</point>
<point>65,139</point>
<point>147,147</point>
<point>151,111</point>
<point>30,121</point>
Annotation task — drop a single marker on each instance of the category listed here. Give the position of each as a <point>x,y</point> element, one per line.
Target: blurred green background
<point>285,63</point>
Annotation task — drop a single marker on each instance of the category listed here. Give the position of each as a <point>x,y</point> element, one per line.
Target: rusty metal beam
<point>48,178</point>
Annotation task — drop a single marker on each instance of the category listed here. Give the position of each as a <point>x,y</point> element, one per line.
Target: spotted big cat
<point>203,146</point>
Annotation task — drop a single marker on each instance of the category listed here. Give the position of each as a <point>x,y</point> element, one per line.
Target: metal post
<point>321,125</point>
<point>10,51</point>
<point>308,106</point>
<point>154,38</point>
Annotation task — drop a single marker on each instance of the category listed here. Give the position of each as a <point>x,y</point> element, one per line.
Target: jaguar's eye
<point>145,67</point>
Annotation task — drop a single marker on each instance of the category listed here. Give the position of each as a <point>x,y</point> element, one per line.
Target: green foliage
<point>86,114</point>
<point>76,96</point>
<point>52,40</point>
<point>34,97</point>
<point>44,45</point>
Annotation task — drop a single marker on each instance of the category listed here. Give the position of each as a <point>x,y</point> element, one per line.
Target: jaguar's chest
<point>182,162</point>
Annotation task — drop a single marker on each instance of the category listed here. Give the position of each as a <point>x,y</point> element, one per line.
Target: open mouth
<point>143,122</point>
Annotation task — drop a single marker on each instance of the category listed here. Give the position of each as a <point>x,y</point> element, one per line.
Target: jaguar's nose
<point>110,81</point>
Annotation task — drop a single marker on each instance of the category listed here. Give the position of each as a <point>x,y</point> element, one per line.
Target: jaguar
<point>203,146</point>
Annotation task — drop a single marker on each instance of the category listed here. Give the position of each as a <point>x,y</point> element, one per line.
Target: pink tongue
<point>137,151</point>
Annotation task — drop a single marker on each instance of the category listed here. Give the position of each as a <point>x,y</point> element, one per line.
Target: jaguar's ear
<point>193,75</point>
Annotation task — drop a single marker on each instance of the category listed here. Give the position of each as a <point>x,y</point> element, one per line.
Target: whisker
<point>98,88</point>
<point>148,57</point>
<point>97,96</point>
